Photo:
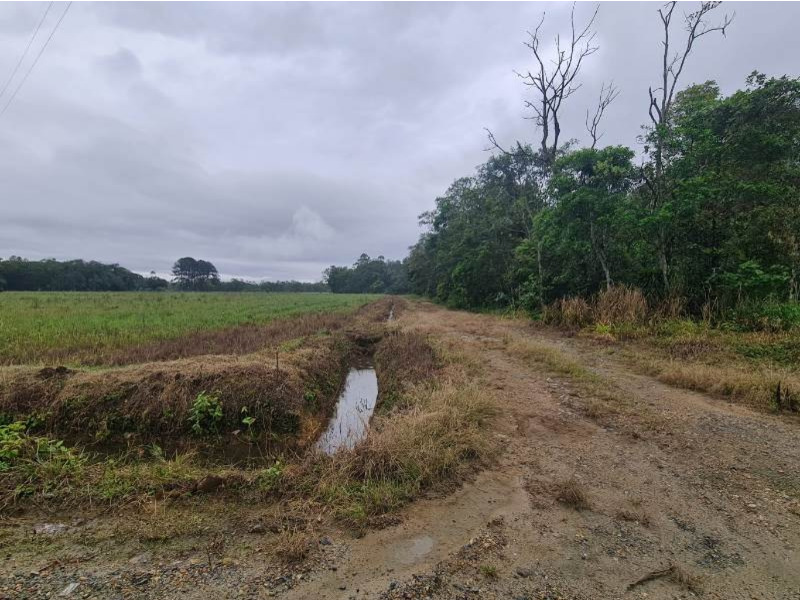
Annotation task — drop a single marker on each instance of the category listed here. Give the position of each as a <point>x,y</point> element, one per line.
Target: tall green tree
<point>191,274</point>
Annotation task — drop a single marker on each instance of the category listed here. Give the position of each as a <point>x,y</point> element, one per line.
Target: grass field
<point>38,325</point>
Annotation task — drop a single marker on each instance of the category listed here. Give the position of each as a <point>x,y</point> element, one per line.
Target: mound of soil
<point>154,400</point>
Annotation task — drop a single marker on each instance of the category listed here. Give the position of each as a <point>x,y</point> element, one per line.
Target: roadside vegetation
<point>155,444</point>
<point>752,365</point>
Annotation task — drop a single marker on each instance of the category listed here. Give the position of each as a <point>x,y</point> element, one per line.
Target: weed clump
<point>32,464</point>
<point>489,571</point>
<point>205,414</point>
<point>570,493</point>
<point>293,545</point>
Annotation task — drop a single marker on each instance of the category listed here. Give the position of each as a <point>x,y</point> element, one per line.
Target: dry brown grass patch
<point>293,544</point>
<point>675,573</point>
<point>621,304</point>
<point>378,311</point>
<point>571,493</point>
<point>240,340</point>
<point>568,312</point>
<point>755,387</point>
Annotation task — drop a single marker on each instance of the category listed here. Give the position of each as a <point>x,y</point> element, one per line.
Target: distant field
<point>35,325</point>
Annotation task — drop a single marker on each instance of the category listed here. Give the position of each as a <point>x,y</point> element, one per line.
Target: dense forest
<point>19,274</point>
<point>707,216</point>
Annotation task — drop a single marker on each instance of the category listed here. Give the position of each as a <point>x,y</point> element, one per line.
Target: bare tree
<point>661,99</point>
<point>554,79</point>
<point>607,96</point>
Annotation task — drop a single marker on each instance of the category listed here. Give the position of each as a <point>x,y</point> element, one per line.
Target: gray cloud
<point>276,139</point>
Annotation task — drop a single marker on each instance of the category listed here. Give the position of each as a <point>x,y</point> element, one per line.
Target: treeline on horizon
<point>19,274</point>
<point>368,276</point>
<point>707,219</point>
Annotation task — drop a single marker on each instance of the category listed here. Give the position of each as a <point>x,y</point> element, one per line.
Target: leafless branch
<point>696,26</point>
<point>607,96</point>
<point>493,143</point>
<point>554,79</point>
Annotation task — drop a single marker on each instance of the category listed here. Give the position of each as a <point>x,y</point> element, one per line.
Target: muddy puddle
<point>350,423</point>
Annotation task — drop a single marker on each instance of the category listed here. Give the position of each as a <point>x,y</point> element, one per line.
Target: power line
<point>36,60</point>
<point>28,47</point>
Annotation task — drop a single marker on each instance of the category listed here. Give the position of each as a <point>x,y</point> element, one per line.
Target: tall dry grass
<point>763,389</point>
<point>620,304</point>
<point>568,312</point>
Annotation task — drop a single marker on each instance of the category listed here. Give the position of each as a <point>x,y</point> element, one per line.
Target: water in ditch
<point>350,422</point>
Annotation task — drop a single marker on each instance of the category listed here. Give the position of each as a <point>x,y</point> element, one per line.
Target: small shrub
<point>33,464</point>
<point>17,446</point>
<point>205,415</point>
<point>602,329</point>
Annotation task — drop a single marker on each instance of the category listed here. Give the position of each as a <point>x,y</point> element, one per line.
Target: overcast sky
<point>277,139</point>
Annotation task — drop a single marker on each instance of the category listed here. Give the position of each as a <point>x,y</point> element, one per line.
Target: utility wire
<point>36,60</point>
<point>25,52</point>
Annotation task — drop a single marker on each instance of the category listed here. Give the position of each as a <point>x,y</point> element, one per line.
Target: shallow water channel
<point>350,422</point>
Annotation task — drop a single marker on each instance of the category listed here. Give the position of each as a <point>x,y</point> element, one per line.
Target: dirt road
<point>697,494</point>
<point>621,487</point>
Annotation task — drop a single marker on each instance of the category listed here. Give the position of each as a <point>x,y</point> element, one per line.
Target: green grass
<point>36,324</point>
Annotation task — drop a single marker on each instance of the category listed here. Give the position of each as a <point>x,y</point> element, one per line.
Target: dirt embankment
<point>273,374</point>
